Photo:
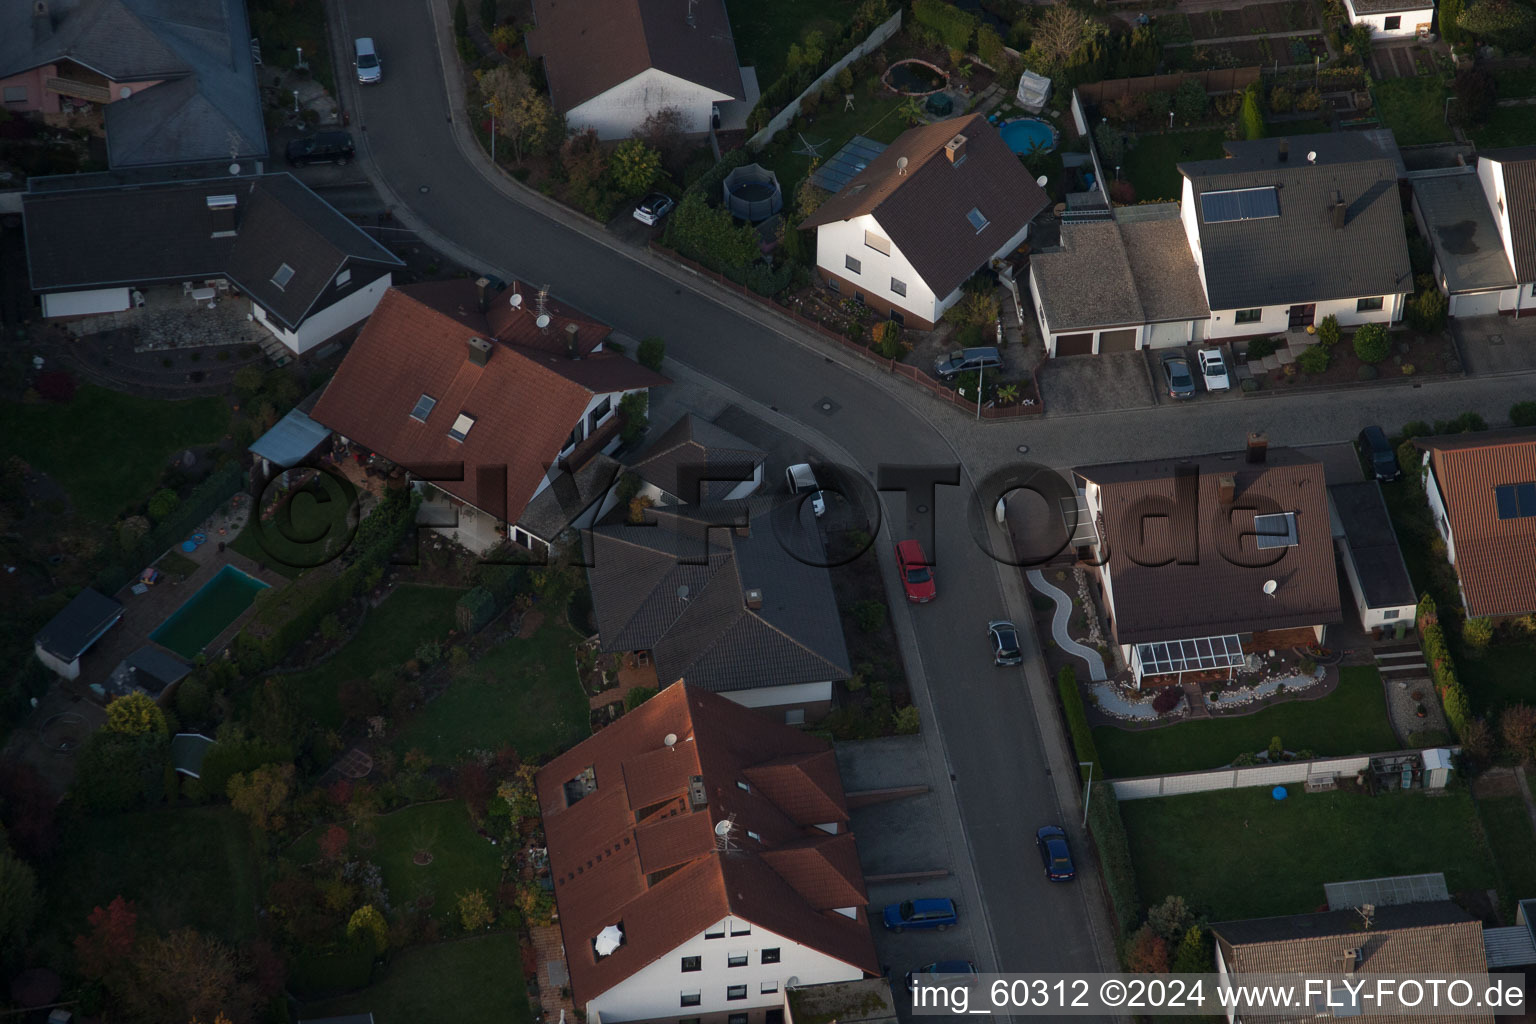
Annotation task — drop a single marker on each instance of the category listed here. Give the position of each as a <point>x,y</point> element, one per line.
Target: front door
<point>1301,316</point>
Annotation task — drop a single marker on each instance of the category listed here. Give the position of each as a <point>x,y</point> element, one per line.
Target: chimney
<point>698,796</point>
<point>479,351</point>
<point>42,18</point>
<point>754,599</point>
<point>481,286</point>
<point>954,149</point>
<point>1337,210</point>
<point>1258,447</point>
<point>1351,960</point>
<point>572,349</point>
<point>1226,489</point>
<point>1285,150</point>
<point>744,529</point>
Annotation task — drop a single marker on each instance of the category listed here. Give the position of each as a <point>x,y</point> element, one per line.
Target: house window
<point>1394,22</point>
<point>424,406</point>
<point>740,928</point>
<point>899,287</point>
<point>714,935</point>
<point>745,788</point>
<point>599,414</point>
<point>794,717</point>
<point>1275,531</point>
<point>1368,305</point>
<point>771,956</point>
<point>1249,316</point>
<point>460,429</point>
<point>896,317</point>
<point>690,998</point>
<point>832,284</point>
<point>977,219</point>
<point>344,278</point>
<point>577,433</point>
<point>1391,613</point>
<point>733,992</point>
<point>852,264</point>
<point>767,988</point>
<point>15,94</point>
<point>692,963</point>
<point>773,1017</point>
<point>738,959</point>
<point>877,243</point>
<point>283,276</point>
<point>736,1018</point>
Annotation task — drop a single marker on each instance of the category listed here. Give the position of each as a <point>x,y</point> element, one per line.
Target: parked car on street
<point>370,69</point>
<point>916,574</point>
<point>1005,643</point>
<point>1177,376</point>
<point>653,207</point>
<point>938,914</point>
<point>967,360</point>
<point>1378,452</point>
<point>1055,854</point>
<point>1213,369</point>
<point>939,967</point>
<point>321,148</point>
<point>800,479</point>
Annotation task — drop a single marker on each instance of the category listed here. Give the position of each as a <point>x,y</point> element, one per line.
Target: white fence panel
<point>1286,773</point>
<point>1135,789</point>
<point>781,121</point>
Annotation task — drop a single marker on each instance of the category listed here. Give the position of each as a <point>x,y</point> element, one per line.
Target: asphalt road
<point>989,727</point>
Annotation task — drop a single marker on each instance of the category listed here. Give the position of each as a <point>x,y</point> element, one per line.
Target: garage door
<point>1480,304</point>
<point>101,300</point>
<point>1170,335</point>
<point>1074,344</point>
<point>1117,341</point>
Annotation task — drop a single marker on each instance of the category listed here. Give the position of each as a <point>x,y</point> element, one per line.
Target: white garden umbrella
<point>609,939</point>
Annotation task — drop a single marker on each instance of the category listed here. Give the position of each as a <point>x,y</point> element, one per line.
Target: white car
<point>370,70</point>
<point>1214,370</point>
<point>800,480</point>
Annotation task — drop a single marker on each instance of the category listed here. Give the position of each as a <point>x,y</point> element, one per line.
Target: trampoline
<point>752,193</point>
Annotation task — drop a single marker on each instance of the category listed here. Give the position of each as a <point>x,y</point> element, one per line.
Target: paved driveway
<point>1088,384</point>
<point>1496,344</point>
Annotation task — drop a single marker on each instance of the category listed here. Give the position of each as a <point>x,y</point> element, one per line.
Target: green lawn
<point>1414,108</point>
<point>764,31</point>
<point>472,981</point>
<point>1510,837</point>
<point>1507,126</point>
<point>522,694</point>
<point>389,636</point>
<point>1309,127</point>
<point>1515,83</point>
<point>290,542</point>
<point>461,858</point>
<point>1505,673</point>
<point>1350,720</point>
<point>1152,164</point>
<point>1241,853</point>
<point>105,448</point>
<point>182,866</point>
<point>873,116</point>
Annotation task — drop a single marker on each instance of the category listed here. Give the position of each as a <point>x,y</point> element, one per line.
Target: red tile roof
<point>790,880</point>
<point>524,401</point>
<point>1494,557</point>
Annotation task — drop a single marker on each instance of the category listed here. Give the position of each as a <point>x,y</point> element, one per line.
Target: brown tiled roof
<point>1180,579</point>
<point>606,866</point>
<point>1520,202</point>
<point>518,325</point>
<point>524,402</point>
<point>1416,939</point>
<point>1493,556</point>
<point>695,460</point>
<point>924,211</point>
<point>589,47</point>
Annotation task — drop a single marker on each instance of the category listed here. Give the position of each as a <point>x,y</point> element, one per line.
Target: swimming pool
<point>207,613</point>
<point>1025,133</point>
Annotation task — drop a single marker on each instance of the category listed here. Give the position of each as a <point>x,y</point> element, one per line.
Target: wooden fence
<point>1218,80</point>
<point>1028,403</point>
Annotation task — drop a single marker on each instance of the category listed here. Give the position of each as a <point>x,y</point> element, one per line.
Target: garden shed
<point>73,631</point>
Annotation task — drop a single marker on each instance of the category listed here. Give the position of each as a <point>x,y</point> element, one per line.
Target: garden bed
<point>869,705</point>
<point>1413,355</point>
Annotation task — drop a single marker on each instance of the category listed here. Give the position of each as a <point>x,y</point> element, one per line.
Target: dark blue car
<point>938,914</point>
<point>1054,853</point>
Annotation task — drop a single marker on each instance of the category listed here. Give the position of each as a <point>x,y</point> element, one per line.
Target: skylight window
<point>1275,531</point>
<point>424,406</point>
<point>1515,501</point>
<point>978,221</point>
<point>283,276</point>
<point>460,428</point>
<point>1240,204</point>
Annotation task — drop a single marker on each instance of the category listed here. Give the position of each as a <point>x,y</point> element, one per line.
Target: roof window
<point>424,406</point>
<point>460,428</point>
<point>283,276</point>
<point>978,221</point>
<point>1275,531</point>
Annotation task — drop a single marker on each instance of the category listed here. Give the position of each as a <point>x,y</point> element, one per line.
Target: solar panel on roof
<point>1240,204</point>
<point>844,165</point>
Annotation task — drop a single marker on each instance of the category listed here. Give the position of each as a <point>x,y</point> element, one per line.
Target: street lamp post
<point>1087,790</point>
<point>981,380</point>
<point>493,133</point>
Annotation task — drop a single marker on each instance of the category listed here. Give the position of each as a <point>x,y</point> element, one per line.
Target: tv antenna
<point>539,302</point>
<point>809,148</point>
<point>1270,586</point>
<point>692,21</point>
<point>1367,912</point>
<point>723,829</point>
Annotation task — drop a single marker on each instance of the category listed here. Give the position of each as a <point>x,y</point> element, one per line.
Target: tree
<point>192,700</point>
<point>1476,94</point>
<point>1190,101</point>
<point>163,504</point>
<point>1194,954</point>
<point>1476,635</point>
<point>475,910</point>
<point>487,14</point>
<point>651,353</point>
<point>523,116</point>
<point>18,901</point>
<point>1328,330</point>
<point>1523,414</point>
<point>28,806</point>
<point>1427,310</point>
<point>1445,20</point>
<point>187,976</point>
<point>709,235</point>
<point>261,795</point>
<point>808,198</point>
<point>634,166</point>
<point>1147,952</point>
<point>461,20</point>
<point>248,380</point>
<point>1517,728</point>
<point>117,772</point>
<point>1111,142</point>
<point>1253,115</point>
<point>1372,344</point>
<point>367,925</point>
<point>1171,918</point>
<point>333,843</point>
<point>663,132</point>
<point>632,416</point>
<point>108,946</point>
<point>1061,30</point>
<point>1503,23</point>
<point>134,714</point>
<point>639,695</point>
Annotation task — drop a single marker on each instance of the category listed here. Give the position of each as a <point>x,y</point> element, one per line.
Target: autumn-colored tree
<point>1147,952</point>
<point>114,930</point>
<point>1062,29</point>
<point>523,116</point>
<point>261,794</point>
<point>475,910</point>
<point>634,166</point>
<point>333,843</point>
<point>187,976</point>
<point>368,926</point>
<point>1517,727</point>
<point>135,714</point>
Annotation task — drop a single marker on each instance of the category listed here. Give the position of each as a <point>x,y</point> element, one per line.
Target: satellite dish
<point>1042,180</point>
<point>234,168</point>
<point>543,321</point>
<point>1312,157</point>
<point>516,301</point>
<point>723,827</point>
<point>794,980</point>
<point>1270,586</point>
<point>670,739</point>
<point>901,165</point>
<point>682,592</point>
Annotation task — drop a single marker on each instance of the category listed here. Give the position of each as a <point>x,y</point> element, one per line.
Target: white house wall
<point>1438,514</point>
<point>655,991</point>
<point>1490,174</point>
<point>1277,319</point>
<point>1408,22</point>
<point>788,695</point>
<point>327,322</point>
<point>1513,300</point>
<point>619,112</point>
<point>846,238</point>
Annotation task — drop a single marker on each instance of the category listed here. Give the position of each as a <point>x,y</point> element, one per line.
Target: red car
<point>916,576</point>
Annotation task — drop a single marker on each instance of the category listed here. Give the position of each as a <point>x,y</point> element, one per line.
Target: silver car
<point>370,70</point>
<point>1181,383</point>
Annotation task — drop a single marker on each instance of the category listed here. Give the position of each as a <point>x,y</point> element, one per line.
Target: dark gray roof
<point>292,438</point>
<point>149,669</point>
<point>692,449</point>
<point>1326,148</point>
<point>1462,231</point>
<point>1372,544</point>
<point>705,634</point>
<point>97,237</point>
<point>82,622</point>
<point>1299,256</point>
<point>188,749</point>
<point>207,105</point>
<point>556,506</point>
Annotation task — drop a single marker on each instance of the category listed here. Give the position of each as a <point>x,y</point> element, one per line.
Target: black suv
<point>1378,451</point>
<point>321,148</point>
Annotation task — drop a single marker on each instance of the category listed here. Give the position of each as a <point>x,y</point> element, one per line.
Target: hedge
<point>1458,709</point>
<point>954,26</point>
<point>218,488</point>
<point>475,609</point>
<point>1108,831</point>
<point>1077,720</point>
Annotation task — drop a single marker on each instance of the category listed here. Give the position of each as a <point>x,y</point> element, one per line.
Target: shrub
<point>953,26</point>
<point>1314,360</point>
<point>1367,373</point>
<point>1077,719</point>
<point>1258,348</point>
<point>460,20</point>
<point>163,504</point>
<point>1170,918</point>
<point>1166,699</point>
<point>475,910</point>
<point>1253,114</point>
<point>869,616</point>
<point>1476,634</point>
<point>1122,193</point>
<point>1108,832</point>
<point>1281,99</point>
<point>651,352</point>
<point>1328,330</point>
<point>1523,414</point>
<point>1372,344</point>
<point>1517,727</point>
<point>632,414</point>
<point>1147,952</point>
<point>907,721</point>
<point>1276,749</point>
<point>1190,101</point>
<point>1427,310</point>
<point>1453,697</point>
<point>639,695</point>
<point>474,609</point>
